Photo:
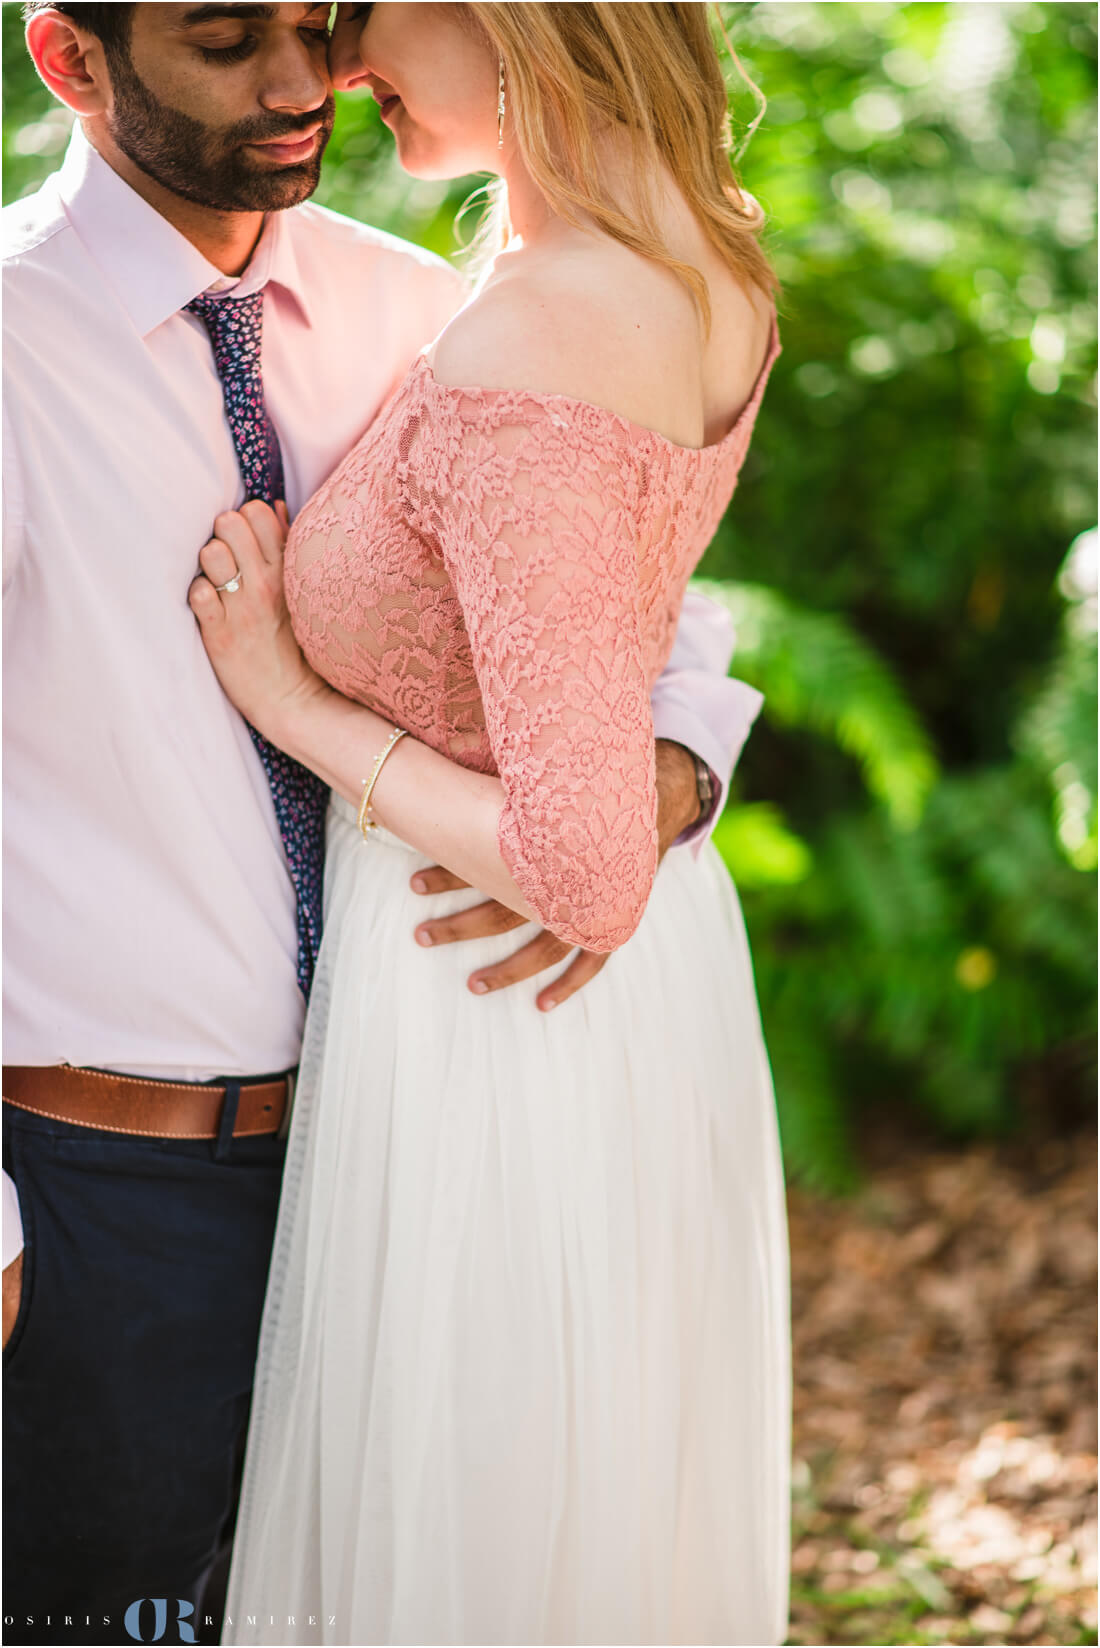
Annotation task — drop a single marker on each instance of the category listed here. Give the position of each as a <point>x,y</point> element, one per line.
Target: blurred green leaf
<point>818,673</point>
<point>759,848</point>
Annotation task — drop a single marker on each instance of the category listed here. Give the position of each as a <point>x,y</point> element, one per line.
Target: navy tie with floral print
<point>235,326</point>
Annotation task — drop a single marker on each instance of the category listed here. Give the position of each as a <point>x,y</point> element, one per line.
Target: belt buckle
<point>284,1126</point>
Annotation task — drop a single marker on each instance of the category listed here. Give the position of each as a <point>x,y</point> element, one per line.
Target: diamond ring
<point>231,587</point>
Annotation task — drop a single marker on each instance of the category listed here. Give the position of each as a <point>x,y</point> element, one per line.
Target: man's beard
<point>205,164</point>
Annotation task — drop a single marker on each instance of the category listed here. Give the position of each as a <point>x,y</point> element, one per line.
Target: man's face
<point>229,106</point>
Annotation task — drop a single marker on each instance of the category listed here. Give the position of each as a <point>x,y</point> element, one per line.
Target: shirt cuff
<point>13,1223</point>
<point>711,716</point>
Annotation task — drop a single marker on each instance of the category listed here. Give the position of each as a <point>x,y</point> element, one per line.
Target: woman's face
<point>434,76</point>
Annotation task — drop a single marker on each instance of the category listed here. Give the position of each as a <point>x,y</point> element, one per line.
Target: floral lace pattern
<point>500,572</point>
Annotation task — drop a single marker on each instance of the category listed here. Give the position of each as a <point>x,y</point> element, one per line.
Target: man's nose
<point>298,78</point>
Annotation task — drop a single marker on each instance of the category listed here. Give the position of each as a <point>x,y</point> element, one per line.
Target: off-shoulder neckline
<point>720,445</point>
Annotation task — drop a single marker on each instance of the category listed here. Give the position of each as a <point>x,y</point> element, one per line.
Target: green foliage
<point>925,455</point>
<point>818,673</point>
<point>1058,734</point>
<point>913,827</point>
<point>760,848</point>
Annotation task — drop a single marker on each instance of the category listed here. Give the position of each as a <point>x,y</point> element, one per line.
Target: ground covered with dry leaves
<point>945,1399</point>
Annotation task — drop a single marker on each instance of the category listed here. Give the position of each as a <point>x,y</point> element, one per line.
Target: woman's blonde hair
<point>653,71</point>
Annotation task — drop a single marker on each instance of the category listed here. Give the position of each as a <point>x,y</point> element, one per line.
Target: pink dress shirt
<point>149,916</point>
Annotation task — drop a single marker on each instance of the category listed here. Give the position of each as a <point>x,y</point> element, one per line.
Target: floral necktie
<point>235,326</point>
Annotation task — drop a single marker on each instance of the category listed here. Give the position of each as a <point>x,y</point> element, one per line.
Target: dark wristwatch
<point>705,788</point>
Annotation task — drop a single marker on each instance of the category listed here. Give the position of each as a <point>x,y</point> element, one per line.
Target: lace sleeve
<point>534,519</point>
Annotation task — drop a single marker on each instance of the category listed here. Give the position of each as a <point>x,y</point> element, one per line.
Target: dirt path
<point>945,1399</point>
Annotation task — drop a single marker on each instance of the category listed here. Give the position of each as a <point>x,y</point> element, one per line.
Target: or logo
<point>132,1619</point>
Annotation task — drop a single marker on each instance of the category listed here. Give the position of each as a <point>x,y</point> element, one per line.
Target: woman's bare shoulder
<point>584,325</point>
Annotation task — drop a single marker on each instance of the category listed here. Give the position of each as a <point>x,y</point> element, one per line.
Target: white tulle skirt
<point>524,1371</point>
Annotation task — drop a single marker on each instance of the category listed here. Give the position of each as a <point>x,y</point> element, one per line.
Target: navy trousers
<point>128,1375</point>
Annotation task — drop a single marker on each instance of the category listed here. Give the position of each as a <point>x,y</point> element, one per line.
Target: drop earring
<point>500,103</point>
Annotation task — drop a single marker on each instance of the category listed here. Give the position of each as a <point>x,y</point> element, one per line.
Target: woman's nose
<point>348,71</point>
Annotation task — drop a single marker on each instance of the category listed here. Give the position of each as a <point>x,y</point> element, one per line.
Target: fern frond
<point>815,671</point>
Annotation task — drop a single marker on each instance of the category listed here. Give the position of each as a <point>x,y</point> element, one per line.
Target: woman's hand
<point>246,631</point>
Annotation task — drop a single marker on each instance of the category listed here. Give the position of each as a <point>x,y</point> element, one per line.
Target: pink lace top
<point>501,572</point>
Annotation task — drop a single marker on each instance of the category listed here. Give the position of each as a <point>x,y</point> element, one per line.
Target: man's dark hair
<point>109,23</point>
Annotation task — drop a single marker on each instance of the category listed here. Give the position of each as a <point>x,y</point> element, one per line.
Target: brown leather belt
<point>132,1104</point>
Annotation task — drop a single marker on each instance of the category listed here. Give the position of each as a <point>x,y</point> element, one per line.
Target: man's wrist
<point>707,790</point>
<point>677,791</point>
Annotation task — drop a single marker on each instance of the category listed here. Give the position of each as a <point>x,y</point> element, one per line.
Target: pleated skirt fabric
<point>524,1371</point>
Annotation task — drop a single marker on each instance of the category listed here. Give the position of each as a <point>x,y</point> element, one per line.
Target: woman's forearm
<point>444,810</point>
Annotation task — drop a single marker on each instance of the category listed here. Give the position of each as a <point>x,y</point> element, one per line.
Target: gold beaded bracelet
<point>364,822</point>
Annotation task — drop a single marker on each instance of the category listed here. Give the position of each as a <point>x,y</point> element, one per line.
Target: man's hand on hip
<point>13,1292</point>
<point>677,810</point>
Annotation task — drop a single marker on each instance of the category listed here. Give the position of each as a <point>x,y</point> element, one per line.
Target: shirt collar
<point>154,269</point>
<point>273,263</point>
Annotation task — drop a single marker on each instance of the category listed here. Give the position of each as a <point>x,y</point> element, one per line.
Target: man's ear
<point>70,60</point>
